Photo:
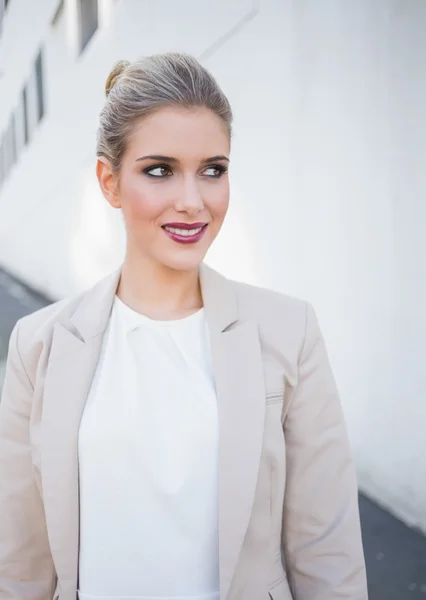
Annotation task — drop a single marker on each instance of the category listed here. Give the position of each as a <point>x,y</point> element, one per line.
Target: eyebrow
<point>175,160</point>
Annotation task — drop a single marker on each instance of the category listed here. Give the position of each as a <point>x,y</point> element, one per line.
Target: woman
<point>171,434</point>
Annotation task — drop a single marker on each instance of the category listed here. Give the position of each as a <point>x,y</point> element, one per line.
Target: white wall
<point>404,470</point>
<point>328,183</point>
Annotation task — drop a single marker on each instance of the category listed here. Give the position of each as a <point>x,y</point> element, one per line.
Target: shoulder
<point>33,334</point>
<point>40,324</point>
<point>31,337</point>
<point>280,317</point>
<point>265,303</point>
<point>276,314</point>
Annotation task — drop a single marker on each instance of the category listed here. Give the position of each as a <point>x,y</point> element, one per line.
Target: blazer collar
<point>219,298</point>
<point>91,317</point>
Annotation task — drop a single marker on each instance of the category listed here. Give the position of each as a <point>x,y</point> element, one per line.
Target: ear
<point>108,181</point>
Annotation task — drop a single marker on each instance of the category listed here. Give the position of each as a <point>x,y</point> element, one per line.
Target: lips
<point>185,233</point>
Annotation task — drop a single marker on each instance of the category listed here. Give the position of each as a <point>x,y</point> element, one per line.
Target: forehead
<point>181,133</point>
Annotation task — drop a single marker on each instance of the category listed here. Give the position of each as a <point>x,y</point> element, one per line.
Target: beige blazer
<point>289,523</point>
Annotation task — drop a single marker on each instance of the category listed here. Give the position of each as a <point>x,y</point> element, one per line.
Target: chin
<point>189,263</point>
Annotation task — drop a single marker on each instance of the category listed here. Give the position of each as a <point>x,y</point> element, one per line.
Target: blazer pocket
<point>275,397</point>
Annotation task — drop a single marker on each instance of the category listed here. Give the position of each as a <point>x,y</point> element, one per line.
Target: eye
<point>158,171</point>
<point>215,171</point>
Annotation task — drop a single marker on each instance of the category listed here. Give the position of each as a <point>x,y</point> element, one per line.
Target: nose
<point>189,199</point>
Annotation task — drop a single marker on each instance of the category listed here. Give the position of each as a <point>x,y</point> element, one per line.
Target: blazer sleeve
<point>26,567</point>
<point>321,527</point>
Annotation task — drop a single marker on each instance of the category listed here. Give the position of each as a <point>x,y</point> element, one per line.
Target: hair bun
<point>115,75</point>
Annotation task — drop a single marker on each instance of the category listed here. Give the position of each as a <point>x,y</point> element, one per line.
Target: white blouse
<point>148,461</point>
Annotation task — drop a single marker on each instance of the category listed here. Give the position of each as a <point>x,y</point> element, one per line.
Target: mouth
<point>185,233</point>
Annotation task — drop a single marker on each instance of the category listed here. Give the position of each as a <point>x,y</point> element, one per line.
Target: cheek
<point>142,203</point>
<point>218,203</point>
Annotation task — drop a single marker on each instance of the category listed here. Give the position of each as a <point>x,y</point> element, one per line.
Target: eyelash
<point>220,168</point>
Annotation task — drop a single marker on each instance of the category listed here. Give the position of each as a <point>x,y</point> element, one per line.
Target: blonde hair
<point>134,90</point>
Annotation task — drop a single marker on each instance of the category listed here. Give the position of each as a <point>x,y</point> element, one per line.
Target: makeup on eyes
<point>221,170</point>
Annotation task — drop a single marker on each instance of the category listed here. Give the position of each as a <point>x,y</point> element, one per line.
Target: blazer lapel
<point>237,363</point>
<point>73,358</point>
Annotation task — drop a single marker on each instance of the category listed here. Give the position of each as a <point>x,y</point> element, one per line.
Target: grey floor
<point>395,555</point>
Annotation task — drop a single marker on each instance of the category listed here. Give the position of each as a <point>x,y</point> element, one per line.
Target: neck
<point>158,291</point>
